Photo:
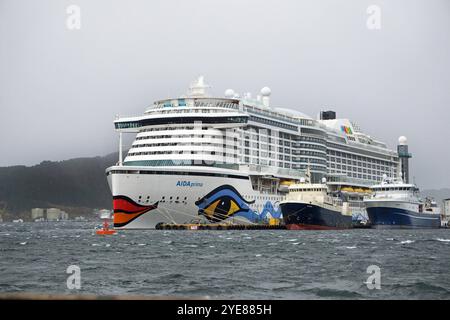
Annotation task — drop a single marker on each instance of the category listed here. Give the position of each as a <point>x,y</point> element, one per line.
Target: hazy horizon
<point>61,89</point>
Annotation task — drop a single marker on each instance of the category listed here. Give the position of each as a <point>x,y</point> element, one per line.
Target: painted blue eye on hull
<point>225,201</point>
<point>221,203</point>
<point>225,189</point>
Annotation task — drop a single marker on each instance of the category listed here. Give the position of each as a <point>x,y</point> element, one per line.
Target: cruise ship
<point>199,158</point>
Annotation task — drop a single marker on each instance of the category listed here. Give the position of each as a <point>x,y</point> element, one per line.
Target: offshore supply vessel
<point>198,158</point>
<point>323,206</point>
<point>395,204</point>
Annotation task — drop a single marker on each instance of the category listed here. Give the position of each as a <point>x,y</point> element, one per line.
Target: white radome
<point>402,140</point>
<point>265,92</point>
<point>229,93</point>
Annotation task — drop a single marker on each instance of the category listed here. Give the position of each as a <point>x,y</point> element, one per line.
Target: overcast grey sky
<point>60,89</point>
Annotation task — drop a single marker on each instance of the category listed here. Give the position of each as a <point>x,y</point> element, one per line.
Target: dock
<point>218,226</point>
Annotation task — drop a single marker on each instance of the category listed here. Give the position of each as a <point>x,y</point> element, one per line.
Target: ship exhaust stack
<point>327,115</point>
<point>404,156</point>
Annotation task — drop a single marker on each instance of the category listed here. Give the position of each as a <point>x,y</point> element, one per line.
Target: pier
<point>218,226</point>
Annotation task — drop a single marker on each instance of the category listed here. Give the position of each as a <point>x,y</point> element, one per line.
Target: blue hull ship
<point>385,217</point>
<point>395,204</point>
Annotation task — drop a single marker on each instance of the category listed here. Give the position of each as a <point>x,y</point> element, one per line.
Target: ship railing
<point>391,196</point>
<point>272,170</point>
<point>332,201</point>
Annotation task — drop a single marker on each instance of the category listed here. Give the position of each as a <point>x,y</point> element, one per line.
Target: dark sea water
<point>268,264</point>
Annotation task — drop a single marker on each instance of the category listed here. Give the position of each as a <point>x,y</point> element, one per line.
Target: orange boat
<point>105,230</point>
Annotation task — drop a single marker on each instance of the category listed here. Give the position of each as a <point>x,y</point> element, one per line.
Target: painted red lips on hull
<point>126,210</point>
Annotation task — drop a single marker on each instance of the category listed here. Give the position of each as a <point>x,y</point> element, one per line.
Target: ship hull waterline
<point>307,216</point>
<point>397,218</point>
<point>146,197</point>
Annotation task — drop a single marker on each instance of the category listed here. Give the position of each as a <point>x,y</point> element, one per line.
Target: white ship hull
<point>146,196</point>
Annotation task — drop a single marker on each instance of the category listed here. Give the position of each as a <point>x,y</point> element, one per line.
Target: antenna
<point>198,88</point>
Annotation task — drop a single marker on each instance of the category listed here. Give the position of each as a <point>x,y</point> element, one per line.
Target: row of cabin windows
<point>176,199</point>
<point>365,162</point>
<point>191,127</point>
<point>359,175</point>
<point>305,190</point>
<point>199,144</point>
<point>395,189</point>
<point>359,169</point>
<point>367,153</point>
<point>178,136</point>
<point>182,152</point>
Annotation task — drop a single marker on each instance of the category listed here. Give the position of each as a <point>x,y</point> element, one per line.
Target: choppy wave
<point>228,264</point>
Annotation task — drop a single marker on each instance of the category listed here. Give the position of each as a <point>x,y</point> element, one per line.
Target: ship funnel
<point>327,115</point>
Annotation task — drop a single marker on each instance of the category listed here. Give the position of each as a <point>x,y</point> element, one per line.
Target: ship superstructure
<point>231,159</point>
